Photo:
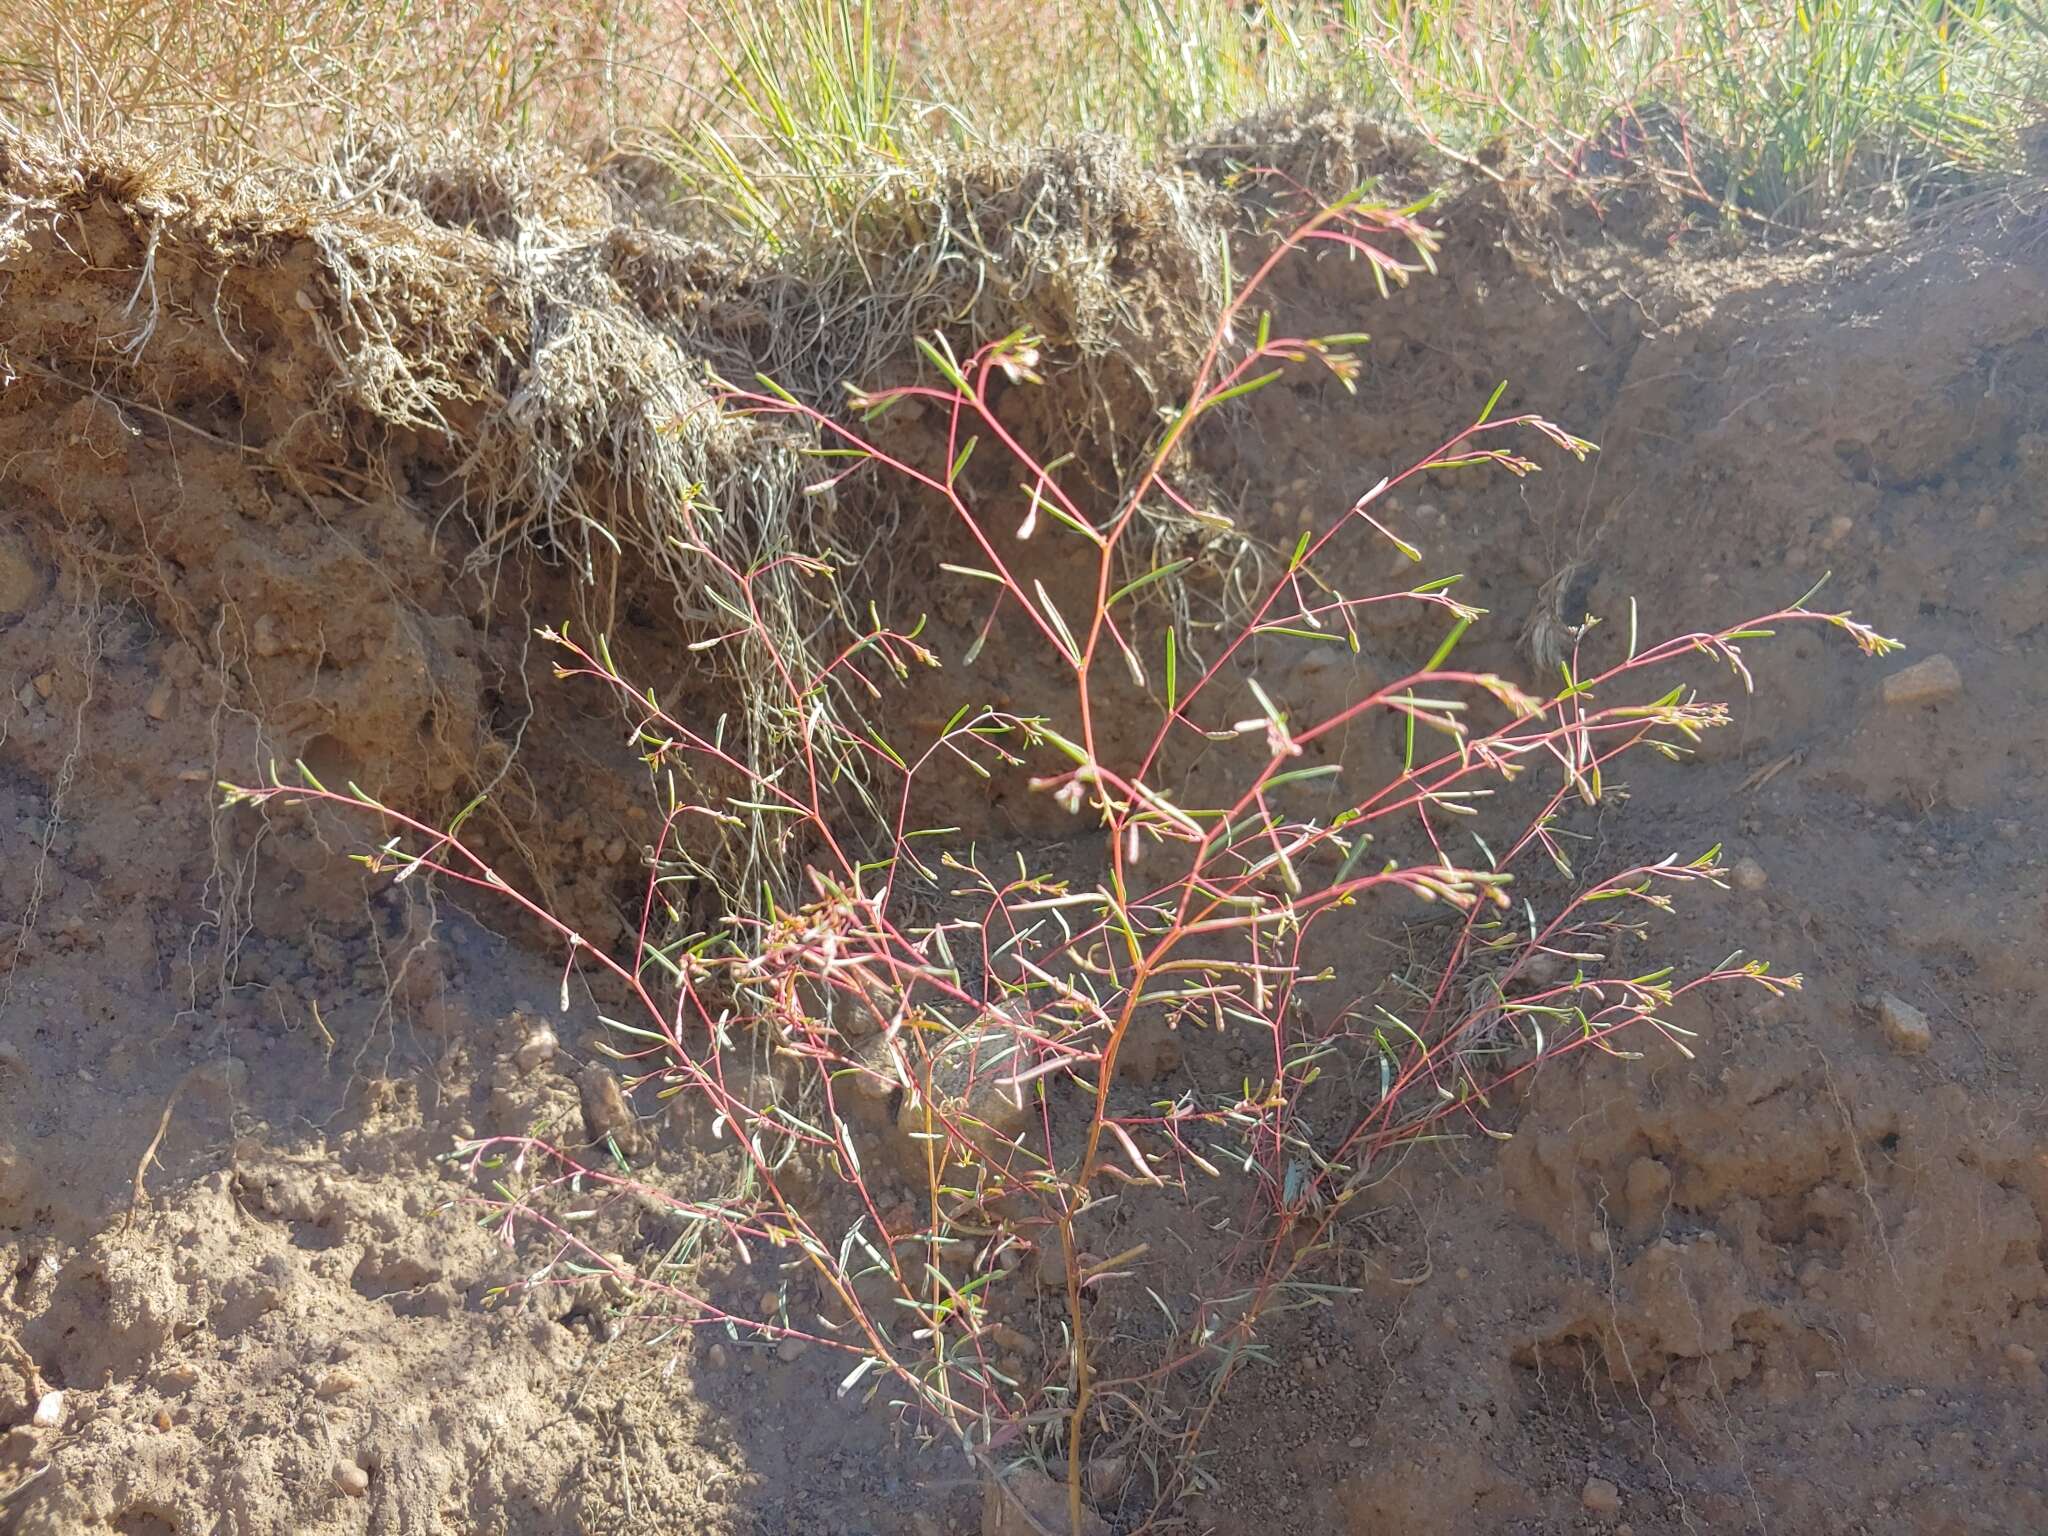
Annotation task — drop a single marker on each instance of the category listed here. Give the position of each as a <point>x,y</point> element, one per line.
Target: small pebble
<point>1925,682</point>
<point>44,683</point>
<point>1905,1027</point>
<point>1749,875</point>
<point>1600,1496</point>
<point>351,1479</point>
<point>2021,1356</point>
<point>49,1412</point>
<point>790,1349</point>
<point>177,1378</point>
<point>1052,1266</point>
<point>1106,1478</point>
<point>717,1358</point>
<point>158,705</point>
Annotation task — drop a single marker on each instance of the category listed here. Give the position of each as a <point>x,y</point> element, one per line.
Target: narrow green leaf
<point>943,362</point>
<point>1302,634</point>
<point>1172,567</point>
<point>1442,654</point>
<point>1298,775</point>
<point>775,389</point>
<point>1054,511</point>
<point>1059,623</point>
<point>976,572</point>
<point>887,750</point>
<point>1239,391</point>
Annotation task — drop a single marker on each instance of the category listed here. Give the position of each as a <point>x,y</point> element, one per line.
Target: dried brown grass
<point>537,351</point>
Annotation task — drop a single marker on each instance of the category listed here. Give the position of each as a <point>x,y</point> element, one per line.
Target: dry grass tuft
<point>550,345</point>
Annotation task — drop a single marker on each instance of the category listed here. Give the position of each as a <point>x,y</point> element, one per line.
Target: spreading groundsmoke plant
<point>926,1111</point>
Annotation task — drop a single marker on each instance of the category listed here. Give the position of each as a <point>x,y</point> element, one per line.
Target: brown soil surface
<point>1796,1283</point>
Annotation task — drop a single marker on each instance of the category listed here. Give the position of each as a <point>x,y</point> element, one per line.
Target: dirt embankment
<point>250,442</point>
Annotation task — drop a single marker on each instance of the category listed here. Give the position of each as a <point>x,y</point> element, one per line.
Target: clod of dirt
<point>1905,1027</point>
<point>1925,682</point>
<point>224,1075</point>
<point>1028,1503</point>
<point>606,1113</point>
<point>21,579</point>
<point>1051,1269</point>
<point>536,1050</point>
<point>17,1181</point>
<point>1748,875</point>
<point>1106,1476</point>
<point>1150,1052</point>
<point>958,1086</point>
<point>1601,1497</point>
<point>337,1383</point>
<point>877,1085</point>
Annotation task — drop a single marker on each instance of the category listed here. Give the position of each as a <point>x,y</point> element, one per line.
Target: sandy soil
<point>1797,1283</point>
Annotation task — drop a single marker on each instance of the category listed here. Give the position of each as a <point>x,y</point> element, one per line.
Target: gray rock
<point>1905,1027</point>
<point>1925,682</point>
